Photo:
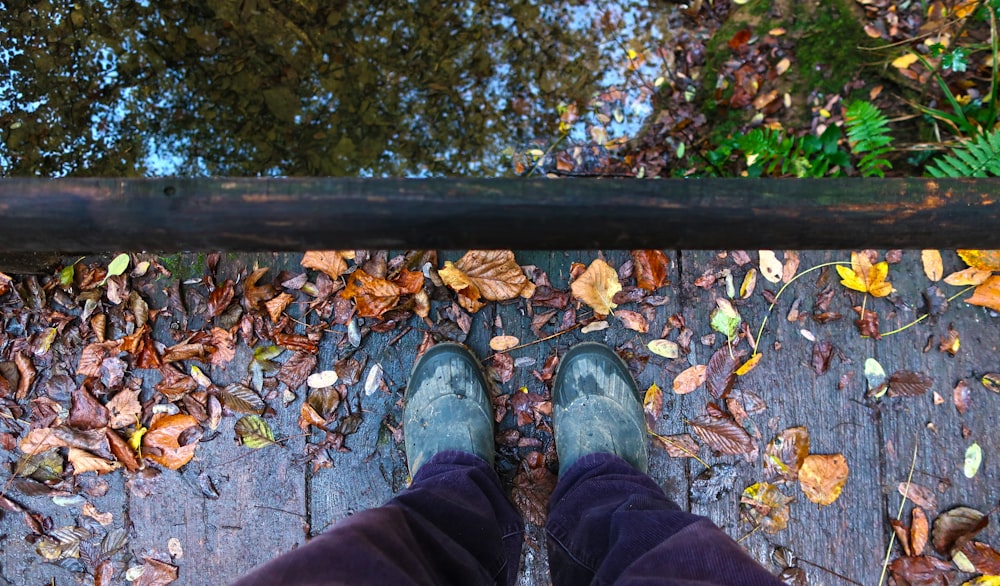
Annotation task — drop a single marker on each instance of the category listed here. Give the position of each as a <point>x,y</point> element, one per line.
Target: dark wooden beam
<point>90,215</point>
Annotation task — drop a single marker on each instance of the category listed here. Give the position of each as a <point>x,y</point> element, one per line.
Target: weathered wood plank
<point>261,506</point>
<point>298,214</point>
<point>795,396</point>
<point>942,433</point>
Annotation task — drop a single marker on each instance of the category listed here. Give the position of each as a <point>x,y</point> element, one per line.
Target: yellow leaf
<point>822,477</point>
<point>969,276</point>
<point>983,581</point>
<point>749,282</point>
<point>850,279</point>
<point>904,61</point>
<point>864,276</point>
<point>987,294</point>
<point>597,287</point>
<point>749,365</point>
<point>933,266</point>
<point>987,260</point>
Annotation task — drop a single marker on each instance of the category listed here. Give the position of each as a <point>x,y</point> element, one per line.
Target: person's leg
<point>453,525</point>
<point>608,521</point>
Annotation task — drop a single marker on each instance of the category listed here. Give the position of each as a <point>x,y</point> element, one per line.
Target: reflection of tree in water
<point>292,87</point>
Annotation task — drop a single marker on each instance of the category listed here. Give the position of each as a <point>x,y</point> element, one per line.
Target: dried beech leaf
<point>955,527</point>
<point>650,268</point>
<point>372,296</point>
<point>652,405</point>
<point>720,374</point>
<point>161,445</point>
<point>690,379</point>
<point>240,398</point>
<point>597,286</point>
<point>633,320</point>
<point>156,573</point>
<point>678,446</point>
<point>921,571</point>
<point>984,558</point>
<point>920,495</point>
<point>969,276</point>
<point>723,435</point>
<point>906,383</point>
<point>918,531</point>
<point>503,343</point>
<point>822,477</point>
<point>785,454</point>
<point>84,461</point>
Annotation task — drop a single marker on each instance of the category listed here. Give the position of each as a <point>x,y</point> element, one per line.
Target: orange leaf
<point>373,296</point>
<point>650,268</point>
<point>690,379</point>
<point>986,260</point>
<point>330,262</point>
<point>969,276</point>
<point>275,307</point>
<point>822,477</point>
<point>161,441</point>
<point>987,294</point>
<point>84,461</point>
<point>597,287</point>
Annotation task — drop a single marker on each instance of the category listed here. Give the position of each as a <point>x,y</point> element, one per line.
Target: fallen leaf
<point>220,298</point>
<point>921,571</point>
<point>533,484</point>
<point>962,396</point>
<point>253,432</point>
<point>920,495</point>
<point>296,370</point>
<point>597,286</point>
<point>652,405</point>
<point>864,276</point>
<point>770,267</point>
<point>124,407</point>
<point>749,365</point>
<point>720,373</point>
<point>969,276</point>
<point>122,451</point>
<point>595,326</point>
<point>973,459</point>
<point>984,558</point>
<point>918,531</point>
<point>374,379</point>
<point>906,383</point>
<point>84,461</point>
<point>725,319</point>
<point>822,477</point>
<point>330,262</point>
<point>91,511</point>
<point>650,268</point>
<point>986,260</point>
<point>156,573</point>
<point>766,506</point>
<point>633,320</point>
<point>991,380</point>
<point>689,379</point>
<point>86,412</point>
<point>493,275</point>
<point>664,348</point>
<point>785,454</point>
<point>503,343</point>
<point>868,323</point>
<point>904,61</point>
<point>950,342</point>
<point>955,527</point>
<point>987,294</point>
<point>933,265</point>
<point>160,443</point>
<point>242,399</point>
<point>372,296</point>
<point>822,354</point>
<point>677,446</point>
<point>749,283</point>
<point>275,307</point>
<point>723,435</point>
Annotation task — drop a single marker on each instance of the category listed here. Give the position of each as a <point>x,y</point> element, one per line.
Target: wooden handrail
<point>276,214</point>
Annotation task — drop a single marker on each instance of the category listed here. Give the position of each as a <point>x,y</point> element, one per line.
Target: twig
<point>760,331</point>
<point>924,316</point>
<point>829,571</point>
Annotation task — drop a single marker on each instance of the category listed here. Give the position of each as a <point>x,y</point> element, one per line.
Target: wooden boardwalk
<point>230,509</point>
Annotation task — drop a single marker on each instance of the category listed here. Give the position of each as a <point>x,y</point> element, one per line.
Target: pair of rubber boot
<point>596,407</point>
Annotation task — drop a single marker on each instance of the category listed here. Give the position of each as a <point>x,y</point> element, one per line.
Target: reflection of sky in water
<point>641,28</point>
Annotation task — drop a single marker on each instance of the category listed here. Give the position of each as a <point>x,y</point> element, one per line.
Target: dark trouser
<point>608,523</point>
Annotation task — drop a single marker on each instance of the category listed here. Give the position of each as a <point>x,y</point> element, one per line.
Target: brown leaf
<point>186,351</point>
<point>156,573</point>
<point>86,412</point>
<point>987,294</point>
<point>677,446</point>
<point>720,374</point>
<point>175,384</point>
<point>309,417</point>
<point>27,372</point>
<point>723,435</point>
<point>921,571</point>
<point>46,438</point>
<point>597,286</point>
<point>297,369</point>
<point>84,461</point>
<point>161,445</point>
<point>633,320</point>
<point>933,266</point>
<point>690,379</point>
<point>533,484</point>
<point>822,353</point>
<point>330,262</point>
<point>903,535</point>
<point>962,395</point>
<point>275,307</point>
<point>985,559</point>
<point>122,451</point>
<point>918,531</point>
<point>373,296</point>
<point>650,268</point>
<point>822,477</point>
<point>220,298</point>
<point>906,383</point>
<point>868,324</point>
<point>255,294</point>
<point>920,495</point>
<point>955,527</point>
<point>503,366</point>
<point>785,454</point>
<point>296,342</point>
<point>492,275</point>
<point>224,346</point>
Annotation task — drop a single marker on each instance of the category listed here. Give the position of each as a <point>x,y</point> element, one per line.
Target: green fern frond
<point>979,157</point>
<point>868,135</point>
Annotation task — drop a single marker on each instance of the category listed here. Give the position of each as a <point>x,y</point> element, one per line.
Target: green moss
<point>184,265</point>
<point>826,51</point>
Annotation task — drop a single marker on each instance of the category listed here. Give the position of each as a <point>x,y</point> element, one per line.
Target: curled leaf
<point>597,287</point>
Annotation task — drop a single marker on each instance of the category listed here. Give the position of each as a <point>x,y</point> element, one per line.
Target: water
<point>303,87</point>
